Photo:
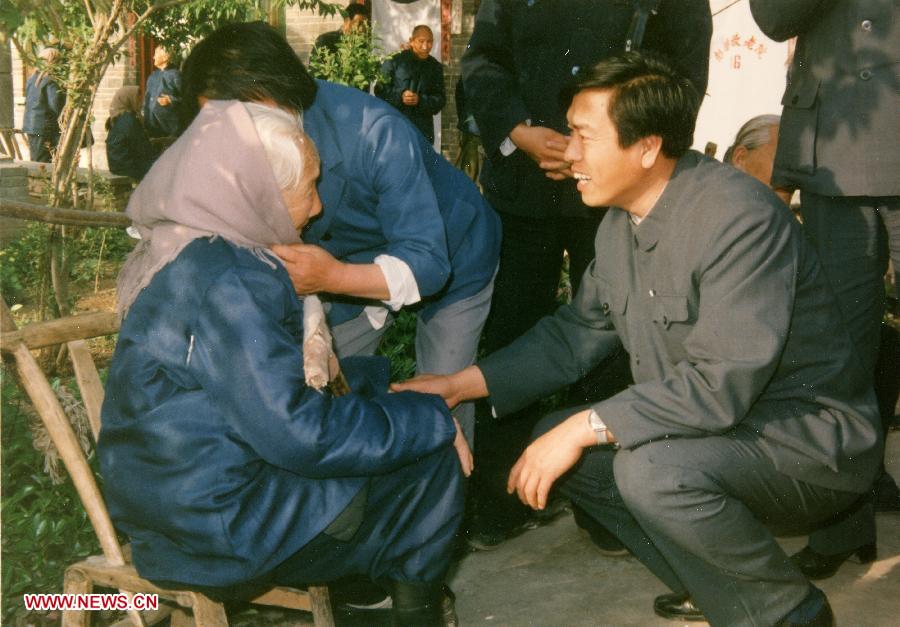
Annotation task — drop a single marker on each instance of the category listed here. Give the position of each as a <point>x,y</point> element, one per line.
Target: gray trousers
<point>445,343</point>
<point>854,236</point>
<point>702,515</point>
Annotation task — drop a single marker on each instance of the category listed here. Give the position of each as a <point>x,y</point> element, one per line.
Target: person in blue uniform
<point>416,82</point>
<point>162,97</point>
<point>400,226</point>
<point>44,102</point>
<point>128,149</point>
<point>226,470</point>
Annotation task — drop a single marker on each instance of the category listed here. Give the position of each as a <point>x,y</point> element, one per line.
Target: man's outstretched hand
<point>548,458</point>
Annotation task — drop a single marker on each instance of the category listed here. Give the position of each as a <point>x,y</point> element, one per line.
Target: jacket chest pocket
<point>668,310</point>
<point>671,318</point>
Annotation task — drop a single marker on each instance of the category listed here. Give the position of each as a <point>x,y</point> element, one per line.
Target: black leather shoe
<point>816,566</point>
<point>800,616</point>
<point>677,606</point>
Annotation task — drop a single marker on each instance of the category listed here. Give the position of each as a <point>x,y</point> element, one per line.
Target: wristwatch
<point>599,427</point>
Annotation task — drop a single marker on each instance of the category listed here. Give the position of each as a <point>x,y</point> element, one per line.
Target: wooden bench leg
<point>75,582</point>
<point>320,601</point>
<point>181,618</point>
<point>208,613</point>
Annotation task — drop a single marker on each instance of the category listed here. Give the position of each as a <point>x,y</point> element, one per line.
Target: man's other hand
<point>546,147</point>
<point>548,458</point>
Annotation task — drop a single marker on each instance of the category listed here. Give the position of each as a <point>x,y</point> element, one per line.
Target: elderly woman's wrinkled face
<point>303,202</point>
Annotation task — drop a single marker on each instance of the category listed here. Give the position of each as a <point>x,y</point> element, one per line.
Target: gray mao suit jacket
<point>840,130</point>
<point>724,309</point>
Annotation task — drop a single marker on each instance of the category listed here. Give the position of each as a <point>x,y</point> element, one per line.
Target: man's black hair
<point>353,9</point>
<point>247,62</point>
<point>649,97</point>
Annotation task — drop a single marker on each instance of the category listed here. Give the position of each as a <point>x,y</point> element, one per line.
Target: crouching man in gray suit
<point>751,414</point>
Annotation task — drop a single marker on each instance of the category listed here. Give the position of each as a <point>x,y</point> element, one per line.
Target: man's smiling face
<point>607,174</point>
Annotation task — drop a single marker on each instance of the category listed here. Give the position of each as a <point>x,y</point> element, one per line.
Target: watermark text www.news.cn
<point>120,601</point>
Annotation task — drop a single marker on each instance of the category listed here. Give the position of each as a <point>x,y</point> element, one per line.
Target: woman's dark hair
<point>648,98</point>
<point>246,62</point>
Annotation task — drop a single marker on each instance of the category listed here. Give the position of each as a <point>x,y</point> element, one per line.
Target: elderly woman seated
<point>128,148</point>
<point>224,468</point>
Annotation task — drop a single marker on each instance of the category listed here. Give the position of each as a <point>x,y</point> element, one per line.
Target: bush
<point>92,253</point>
<point>356,62</point>
<point>45,528</point>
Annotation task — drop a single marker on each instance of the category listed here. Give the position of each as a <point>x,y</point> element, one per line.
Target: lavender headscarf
<point>214,181</point>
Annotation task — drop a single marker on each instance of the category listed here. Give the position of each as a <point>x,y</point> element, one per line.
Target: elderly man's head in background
<point>753,150</point>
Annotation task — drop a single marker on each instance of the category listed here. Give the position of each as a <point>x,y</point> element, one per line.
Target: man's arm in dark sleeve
<point>783,19</point>
<point>681,32</point>
<point>489,76</point>
<point>557,351</point>
<point>391,92</point>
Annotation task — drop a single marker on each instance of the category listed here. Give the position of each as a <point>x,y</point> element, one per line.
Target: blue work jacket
<point>384,190</point>
<point>44,102</point>
<point>218,461</point>
<point>163,121</point>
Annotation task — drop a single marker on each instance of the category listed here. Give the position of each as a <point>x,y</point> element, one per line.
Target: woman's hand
<point>312,269</point>
<point>466,461</point>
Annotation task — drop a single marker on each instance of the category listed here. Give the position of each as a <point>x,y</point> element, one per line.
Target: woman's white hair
<point>754,133</point>
<point>282,136</point>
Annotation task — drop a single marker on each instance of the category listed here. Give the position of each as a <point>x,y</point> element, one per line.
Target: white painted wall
<point>746,75</point>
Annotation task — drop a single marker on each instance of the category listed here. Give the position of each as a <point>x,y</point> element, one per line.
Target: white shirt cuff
<point>507,147</point>
<point>400,281</point>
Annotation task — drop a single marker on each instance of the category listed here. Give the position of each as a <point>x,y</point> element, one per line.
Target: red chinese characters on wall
<point>732,49</point>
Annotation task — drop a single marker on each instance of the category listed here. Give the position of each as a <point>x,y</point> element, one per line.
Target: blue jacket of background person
<point>44,101</point>
<point>385,190</point>
<point>128,149</point>
<point>163,121</point>
<point>226,463</point>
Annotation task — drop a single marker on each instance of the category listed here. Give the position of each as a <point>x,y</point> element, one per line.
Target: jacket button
<point>865,74</point>
<point>652,293</point>
<point>866,25</point>
<point>795,99</point>
<point>605,307</point>
<point>575,70</point>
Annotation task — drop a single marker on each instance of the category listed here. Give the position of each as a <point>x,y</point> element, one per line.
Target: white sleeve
<point>507,147</point>
<point>400,281</point>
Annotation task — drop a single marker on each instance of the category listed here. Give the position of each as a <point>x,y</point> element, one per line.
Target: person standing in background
<point>355,16</point>
<point>128,149</point>
<point>416,82</point>
<point>44,102</point>
<point>838,146</point>
<point>162,98</point>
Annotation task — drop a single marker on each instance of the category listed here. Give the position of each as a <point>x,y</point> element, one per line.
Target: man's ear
<point>651,146</point>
